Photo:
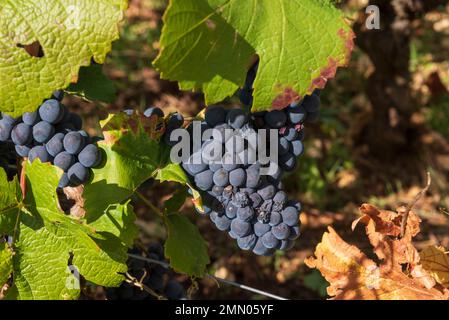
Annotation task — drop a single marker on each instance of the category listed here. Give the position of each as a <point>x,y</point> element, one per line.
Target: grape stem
<point>228,282</point>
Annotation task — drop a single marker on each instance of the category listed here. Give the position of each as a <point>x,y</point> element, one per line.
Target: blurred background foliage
<point>347,162</point>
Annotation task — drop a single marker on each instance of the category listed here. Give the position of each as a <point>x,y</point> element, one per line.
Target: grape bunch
<point>151,275</point>
<point>250,206</point>
<point>53,134</point>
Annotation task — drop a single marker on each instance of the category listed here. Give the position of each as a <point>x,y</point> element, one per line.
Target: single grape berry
<point>275,119</point>
<point>312,103</point>
<point>78,174</point>
<point>240,228</point>
<point>261,228</point>
<point>64,160</point>
<point>51,111</point>
<point>237,177</point>
<point>267,192</point>
<point>223,223</point>
<point>55,144</point>
<point>5,130</point>
<point>43,131</point>
<point>41,153</point>
<point>245,213</point>
<point>204,180</point>
<point>281,231</point>
<point>247,243</point>
<point>215,115</point>
<point>73,142</point>
<point>290,216</point>
<point>270,241</point>
<point>21,134</point>
<point>22,151</point>
<point>64,181</point>
<point>31,118</point>
<point>221,178</point>
<point>90,156</point>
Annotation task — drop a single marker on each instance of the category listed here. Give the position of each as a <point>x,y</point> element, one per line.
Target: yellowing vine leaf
<point>210,44</point>
<point>352,275</point>
<point>43,43</point>
<point>435,260</point>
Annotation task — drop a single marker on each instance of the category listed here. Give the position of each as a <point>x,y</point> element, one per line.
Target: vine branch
<point>413,203</point>
<point>228,282</point>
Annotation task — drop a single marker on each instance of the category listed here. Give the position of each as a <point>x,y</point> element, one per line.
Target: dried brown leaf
<point>352,275</point>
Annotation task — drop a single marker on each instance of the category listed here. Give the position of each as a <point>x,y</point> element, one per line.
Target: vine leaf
<point>42,47</point>
<point>48,245</point>
<point>185,247</point>
<point>5,263</point>
<point>132,153</point>
<point>435,260</point>
<point>352,275</point>
<point>93,85</point>
<point>300,45</point>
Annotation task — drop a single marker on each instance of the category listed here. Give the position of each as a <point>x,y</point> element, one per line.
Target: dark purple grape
<point>43,131</point>
<point>281,231</point>
<point>5,130</point>
<point>204,180</point>
<point>275,119</point>
<point>64,160</point>
<point>221,178</point>
<point>270,241</point>
<point>51,111</point>
<point>90,156</point>
<point>55,145</point>
<point>261,228</point>
<point>240,228</point>
<point>247,243</point>
<point>237,177</point>
<point>215,115</point>
<point>31,118</point>
<point>22,151</point>
<point>73,142</point>
<point>245,213</point>
<point>78,174</point>
<point>290,216</point>
<point>41,153</point>
<point>21,134</point>
<point>312,103</point>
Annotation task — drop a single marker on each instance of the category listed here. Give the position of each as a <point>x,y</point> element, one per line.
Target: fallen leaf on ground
<point>399,274</point>
<point>435,261</point>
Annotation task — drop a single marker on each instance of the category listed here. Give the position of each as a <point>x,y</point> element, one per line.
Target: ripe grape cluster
<point>250,206</point>
<point>53,134</point>
<point>150,275</point>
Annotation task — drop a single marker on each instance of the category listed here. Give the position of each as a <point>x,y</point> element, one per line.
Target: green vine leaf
<point>210,44</point>
<point>44,43</point>
<point>185,247</point>
<point>39,228</point>
<point>93,85</point>
<point>5,263</point>
<point>133,154</point>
